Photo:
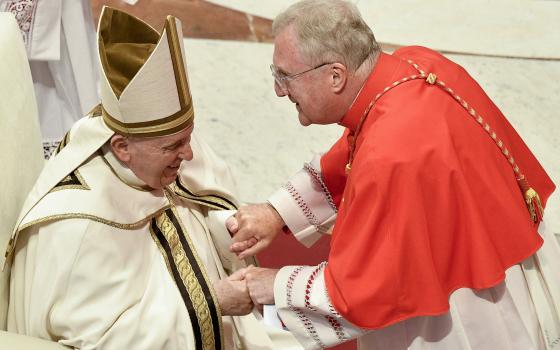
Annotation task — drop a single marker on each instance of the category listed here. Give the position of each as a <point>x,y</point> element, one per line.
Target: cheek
<point>165,161</point>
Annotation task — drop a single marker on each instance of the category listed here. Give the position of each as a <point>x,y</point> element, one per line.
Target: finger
<point>239,247</point>
<point>256,248</point>
<point>242,233</point>
<point>238,275</point>
<point>232,225</point>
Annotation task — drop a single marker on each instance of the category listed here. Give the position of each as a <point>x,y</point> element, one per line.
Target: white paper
<point>270,317</point>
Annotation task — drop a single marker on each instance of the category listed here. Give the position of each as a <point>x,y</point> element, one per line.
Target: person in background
<point>60,40</point>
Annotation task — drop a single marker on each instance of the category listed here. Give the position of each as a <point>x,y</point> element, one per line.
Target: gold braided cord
<point>130,226</point>
<point>352,145</point>
<point>472,112</point>
<point>531,196</point>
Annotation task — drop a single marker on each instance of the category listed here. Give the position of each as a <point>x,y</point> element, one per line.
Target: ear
<point>120,146</point>
<point>338,77</point>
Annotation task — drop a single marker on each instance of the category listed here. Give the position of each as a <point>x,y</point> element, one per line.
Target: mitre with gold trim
<point>144,87</point>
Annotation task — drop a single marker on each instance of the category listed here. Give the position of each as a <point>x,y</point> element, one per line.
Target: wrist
<point>278,222</point>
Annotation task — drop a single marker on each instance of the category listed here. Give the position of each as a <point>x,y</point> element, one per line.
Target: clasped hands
<point>244,289</point>
<point>253,228</point>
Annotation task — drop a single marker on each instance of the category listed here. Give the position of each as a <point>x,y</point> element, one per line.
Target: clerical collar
<point>122,171</point>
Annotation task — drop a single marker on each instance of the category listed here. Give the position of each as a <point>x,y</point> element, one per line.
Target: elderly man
<point>113,248</point>
<point>433,195</point>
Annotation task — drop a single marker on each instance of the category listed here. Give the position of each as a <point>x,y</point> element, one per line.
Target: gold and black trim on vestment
<point>57,217</point>
<point>62,143</point>
<point>191,279</point>
<point>72,181</point>
<point>212,201</point>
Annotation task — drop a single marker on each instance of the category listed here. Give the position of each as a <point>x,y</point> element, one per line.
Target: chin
<point>303,120</point>
<point>166,181</point>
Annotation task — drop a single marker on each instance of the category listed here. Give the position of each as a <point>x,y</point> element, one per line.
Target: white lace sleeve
<point>305,204</point>
<point>305,308</point>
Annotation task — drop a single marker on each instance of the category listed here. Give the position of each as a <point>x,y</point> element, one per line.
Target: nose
<point>280,92</point>
<point>186,152</point>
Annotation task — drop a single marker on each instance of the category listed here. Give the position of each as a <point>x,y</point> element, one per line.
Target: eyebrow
<point>281,71</point>
<point>174,144</point>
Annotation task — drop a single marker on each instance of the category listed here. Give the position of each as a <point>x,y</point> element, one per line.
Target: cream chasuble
<point>103,262</point>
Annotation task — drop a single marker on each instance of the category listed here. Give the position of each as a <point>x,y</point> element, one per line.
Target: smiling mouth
<point>173,170</point>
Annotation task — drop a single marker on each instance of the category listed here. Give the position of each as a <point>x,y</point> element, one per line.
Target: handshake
<point>253,228</point>
<point>246,288</point>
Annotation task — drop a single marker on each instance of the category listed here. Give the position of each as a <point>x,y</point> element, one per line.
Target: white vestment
<point>521,313</point>
<point>103,262</point>
<point>60,40</point>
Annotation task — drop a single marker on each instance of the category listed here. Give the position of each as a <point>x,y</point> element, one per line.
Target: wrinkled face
<point>308,91</point>
<point>156,160</point>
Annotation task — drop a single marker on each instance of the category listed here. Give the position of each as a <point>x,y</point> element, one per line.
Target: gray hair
<point>329,31</point>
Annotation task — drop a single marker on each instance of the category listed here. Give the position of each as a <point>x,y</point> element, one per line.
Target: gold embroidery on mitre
<point>120,76</point>
<point>190,276</point>
<point>153,128</point>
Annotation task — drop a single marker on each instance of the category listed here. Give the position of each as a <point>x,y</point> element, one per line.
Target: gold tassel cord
<point>532,200</point>
<point>534,205</point>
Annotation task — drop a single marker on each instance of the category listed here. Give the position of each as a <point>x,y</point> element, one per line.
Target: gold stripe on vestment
<point>213,201</point>
<point>124,226</point>
<point>190,276</point>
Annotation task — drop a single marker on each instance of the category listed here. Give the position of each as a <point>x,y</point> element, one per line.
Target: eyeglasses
<point>282,78</point>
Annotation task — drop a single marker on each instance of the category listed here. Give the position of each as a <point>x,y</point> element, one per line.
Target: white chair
<point>21,159</point>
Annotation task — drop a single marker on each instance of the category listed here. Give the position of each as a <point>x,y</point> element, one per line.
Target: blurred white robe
<point>60,40</point>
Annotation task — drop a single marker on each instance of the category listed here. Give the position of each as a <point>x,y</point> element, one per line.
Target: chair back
<point>21,151</point>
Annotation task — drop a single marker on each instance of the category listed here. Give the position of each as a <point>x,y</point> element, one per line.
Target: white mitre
<point>144,93</point>
<point>144,88</point>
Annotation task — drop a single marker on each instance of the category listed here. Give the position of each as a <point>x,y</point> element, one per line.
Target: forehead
<point>286,50</point>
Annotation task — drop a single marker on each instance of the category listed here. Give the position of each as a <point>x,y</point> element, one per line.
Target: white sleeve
<point>305,204</point>
<point>305,308</point>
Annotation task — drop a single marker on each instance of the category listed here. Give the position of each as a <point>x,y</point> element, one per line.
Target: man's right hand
<point>233,295</point>
<point>253,227</point>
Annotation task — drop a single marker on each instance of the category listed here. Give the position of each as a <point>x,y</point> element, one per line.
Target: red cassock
<point>431,204</point>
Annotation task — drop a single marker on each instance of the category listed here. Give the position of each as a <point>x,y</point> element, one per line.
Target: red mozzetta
<point>431,203</point>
